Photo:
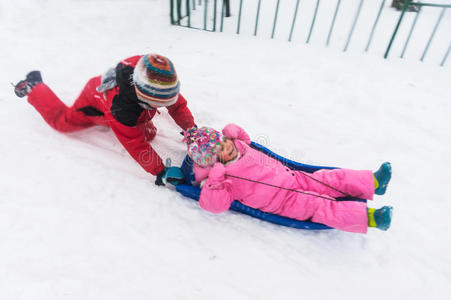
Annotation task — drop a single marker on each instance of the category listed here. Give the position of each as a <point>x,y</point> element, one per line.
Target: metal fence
<point>210,15</point>
<point>431,37</point>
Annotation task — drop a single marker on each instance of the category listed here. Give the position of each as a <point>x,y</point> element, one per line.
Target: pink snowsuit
<point>219,191</point>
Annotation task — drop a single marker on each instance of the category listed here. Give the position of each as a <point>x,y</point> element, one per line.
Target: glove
<point>159,180</point>
<point>172,175</point>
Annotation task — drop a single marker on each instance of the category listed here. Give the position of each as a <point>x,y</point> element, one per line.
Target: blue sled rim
<point>193,192</point>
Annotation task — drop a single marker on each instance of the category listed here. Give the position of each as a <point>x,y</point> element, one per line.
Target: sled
<point>191,189</point>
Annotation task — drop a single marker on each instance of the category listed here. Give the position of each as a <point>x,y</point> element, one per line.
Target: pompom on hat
<point>155,80</point>
<point>203,145</point>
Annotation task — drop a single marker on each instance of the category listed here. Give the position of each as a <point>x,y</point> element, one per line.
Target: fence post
<point>222,15</point>
<point>256,19</point>
<point>188,12</point>
<point>374,25</point>
<point>227,12</point>
<point>214,15</point>
<point>313,21</point>
<point>353,25</point>
<point>179,11</point>
<point>171,5</point>
<point>410,32</point>
<point>333,22</point>
<point>446,56</point>
<point>433,32</point>
<point>275,19</point>
<point>205,13</point>
<point>239,18</point>
<point>404,8</point>
<point>294,20</point>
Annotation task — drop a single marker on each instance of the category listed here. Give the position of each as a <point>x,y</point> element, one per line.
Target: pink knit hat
<point>203,145</point>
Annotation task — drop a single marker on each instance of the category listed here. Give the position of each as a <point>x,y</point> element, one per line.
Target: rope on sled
<point>325,184</point>
<point>287,189</point>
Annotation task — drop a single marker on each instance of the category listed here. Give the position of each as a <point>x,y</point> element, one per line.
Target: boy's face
<point>228,151</point>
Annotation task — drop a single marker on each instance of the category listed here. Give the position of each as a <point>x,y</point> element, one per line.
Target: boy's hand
<point>159,180</point>
<point>172,175</point>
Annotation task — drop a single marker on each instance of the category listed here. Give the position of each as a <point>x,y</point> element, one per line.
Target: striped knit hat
<point>156,81</point>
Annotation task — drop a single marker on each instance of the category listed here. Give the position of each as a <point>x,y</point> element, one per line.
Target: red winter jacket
<point>117,107</point>
<point>128,119</point>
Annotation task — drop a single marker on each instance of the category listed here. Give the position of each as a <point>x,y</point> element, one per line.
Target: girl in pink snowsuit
<point>229,169</point>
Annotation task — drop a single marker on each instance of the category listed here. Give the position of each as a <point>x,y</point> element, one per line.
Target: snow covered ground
<point>79,219</point>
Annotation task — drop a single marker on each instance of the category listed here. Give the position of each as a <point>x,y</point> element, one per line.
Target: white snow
<point>79,219</point>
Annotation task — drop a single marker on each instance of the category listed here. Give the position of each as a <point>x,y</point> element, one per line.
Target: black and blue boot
<point>382,178</point>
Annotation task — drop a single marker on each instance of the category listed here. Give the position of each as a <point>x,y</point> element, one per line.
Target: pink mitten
<point>234,131</point>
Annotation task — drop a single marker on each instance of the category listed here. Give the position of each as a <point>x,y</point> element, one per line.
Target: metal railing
<point>213,13</point>
<point>431,37</point>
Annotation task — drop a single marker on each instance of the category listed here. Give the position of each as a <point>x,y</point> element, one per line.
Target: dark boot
<point>24,87</point>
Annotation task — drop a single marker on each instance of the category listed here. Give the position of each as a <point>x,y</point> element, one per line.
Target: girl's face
<point>228,151</point>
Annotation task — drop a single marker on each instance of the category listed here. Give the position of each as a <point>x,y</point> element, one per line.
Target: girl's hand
<point>234,131</point>
<point>217,173</point>
<point>216,195</point>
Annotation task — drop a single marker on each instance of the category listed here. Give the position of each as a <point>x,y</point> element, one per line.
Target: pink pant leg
<point>348,216</point>
<point>354,183</point>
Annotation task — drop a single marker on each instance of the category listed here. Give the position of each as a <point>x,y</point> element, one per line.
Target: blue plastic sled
<point>190,189</point>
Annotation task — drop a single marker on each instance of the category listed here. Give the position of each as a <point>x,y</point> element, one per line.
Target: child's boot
<point>380,218</point>
<point>23,87</point>
<point>382,178</point>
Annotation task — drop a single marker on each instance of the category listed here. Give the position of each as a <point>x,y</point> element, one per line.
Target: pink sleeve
<point>200,173</point>
<point>216,195</point>
<point>234,131</point>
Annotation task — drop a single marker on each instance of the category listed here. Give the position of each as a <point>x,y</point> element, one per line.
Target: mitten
<point>217,174</point>
<point>234,131</point>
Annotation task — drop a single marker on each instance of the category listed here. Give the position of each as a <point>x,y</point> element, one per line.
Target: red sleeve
<point>133,139</point>
<point>181,114</point>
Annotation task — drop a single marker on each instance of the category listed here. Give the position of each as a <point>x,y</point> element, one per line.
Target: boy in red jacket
<point>125,98</point>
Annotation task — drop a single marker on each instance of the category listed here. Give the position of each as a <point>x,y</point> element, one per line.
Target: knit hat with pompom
<point>156,81</point>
